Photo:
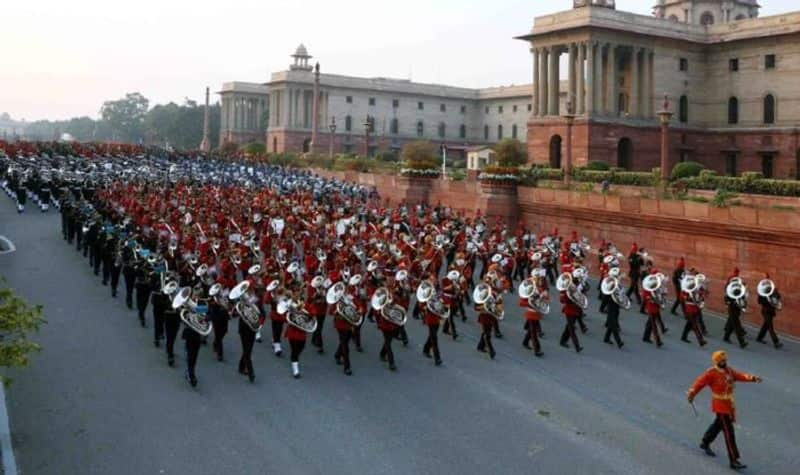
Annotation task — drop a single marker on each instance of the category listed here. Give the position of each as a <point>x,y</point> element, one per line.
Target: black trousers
<point>532,330</point>
<point>768,327</point>
<point>172,323</point>
<point>386,350</point>
<point>107,264</point>
<point>160,303</point>
<point>130,277</point>
<point>485,342</point>
<point>297,347</point>
<point>220,323</point>
<point>677,303</point>
<point>651,329</point>
<point>316,338</point>
<point>612,329</point>
<point>702,323</point>
<point>115,271</point>
<point>343,351</point>
<point>142,296</point>
<point>570,334</point>
<point>734,325</point>
<point>357,336</point>
<point>634,289</point>
<point>692,325</point>
<point>193,342</point>
<point>248,337</point>
<point>277,329</point>
<point>723,423</point>
<point>450,325</point>
<point>432,343</point>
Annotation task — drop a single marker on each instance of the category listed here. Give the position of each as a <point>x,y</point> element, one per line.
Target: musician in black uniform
<point>635,263</point>
<point>219,316</point>
<point>734,323</point>
<point>22,194</point>
<point>677,278</point>
<point>160,302</point>
<point>248,338</point>
<point>768,311</point>
<point>114,249</point>
<point>193,339</point>
<point>612,320</point>
<point>142,284</point>
<point>96,246</point>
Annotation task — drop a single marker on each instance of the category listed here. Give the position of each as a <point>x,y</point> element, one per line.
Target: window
<point>486,109</point>
<point>499,109</point>
<point>733,110</point>
<point>514,131</point>
<point>514,109</point>
<point>499,132</point>
<point>769,109</point>
<point>395,103</point>
<point>733,65</point>
<point>462,131</point>
<point>769,61</point>
<point>707,19</point>
<point>348,123</point>
<point>394,127</point>
<point>684,64</point>
<point>372,101</point>
<point>349,99</point>
<point>767,162</point>
<point>420,129</point>
<point>485,132</point>
<point>674,18</point>
<point>442,108</point>
<point>730,164</point>
<point>463,109</point>
<point>442,129</point>
<point>421,105</point>
<point>683,112</point>
<point>530,107</point>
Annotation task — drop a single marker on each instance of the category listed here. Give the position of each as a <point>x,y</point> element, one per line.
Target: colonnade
<point>603,79</point>
<point>242,113</point>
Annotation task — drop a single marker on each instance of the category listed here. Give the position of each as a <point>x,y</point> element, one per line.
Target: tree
<point>17,319</point>
<point>420,154</point>
<point>510,153</point>
<point>126,117</point>
<point>255,148</point>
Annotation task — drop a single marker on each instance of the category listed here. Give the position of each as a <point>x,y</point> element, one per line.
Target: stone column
<point>581,85</point>
<point>571,73</point>
<point>544,77</point>
<point>635,108</point>
<point>591,50</point>
<point>646,97</point>
<point>284,100</point>
<point>612,104</point>
<point>599,80</point>
<point>315,112</point>
<point>223,118</point>
<point>553,81</point>
<point>535,92</point>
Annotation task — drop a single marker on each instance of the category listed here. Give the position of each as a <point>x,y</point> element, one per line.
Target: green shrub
<point>386,156</point>
<point>510,153</point>
<point>614,178</point>
<point>686,170</point>
<point>458,175</point>
<point>598,165</point>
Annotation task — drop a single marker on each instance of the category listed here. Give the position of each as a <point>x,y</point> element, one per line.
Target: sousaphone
<point>767,289</point>
<point>182,298</point>
<point>335,293</point>
<point>302,320</point>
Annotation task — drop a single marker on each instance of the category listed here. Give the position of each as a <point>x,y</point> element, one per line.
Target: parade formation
<point>195,244</point>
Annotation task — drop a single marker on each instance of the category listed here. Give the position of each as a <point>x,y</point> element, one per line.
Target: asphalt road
<point>100,398</point>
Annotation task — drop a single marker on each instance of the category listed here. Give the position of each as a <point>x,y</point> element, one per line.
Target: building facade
<point>401,111</point>
<point>731,79</point>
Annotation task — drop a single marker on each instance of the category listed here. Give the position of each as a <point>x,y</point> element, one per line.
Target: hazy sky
<point>63,58</point>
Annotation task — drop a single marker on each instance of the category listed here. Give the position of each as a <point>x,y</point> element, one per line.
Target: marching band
<point>203,242</point>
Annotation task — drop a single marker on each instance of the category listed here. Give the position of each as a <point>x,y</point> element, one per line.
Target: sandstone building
<point>733,82</point>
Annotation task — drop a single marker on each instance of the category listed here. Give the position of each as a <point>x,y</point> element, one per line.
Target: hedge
<point>686,170</point>
<point>748,183</point>
<point>614,177</point>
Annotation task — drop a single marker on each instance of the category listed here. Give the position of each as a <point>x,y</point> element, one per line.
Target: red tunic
<point>722,382</point>
<point>568,307</point>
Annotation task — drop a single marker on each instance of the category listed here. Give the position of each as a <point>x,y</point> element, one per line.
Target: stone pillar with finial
<point>205,145</point>
<point>315,113</point>
<point>665,114</point>
<point>569,117</point>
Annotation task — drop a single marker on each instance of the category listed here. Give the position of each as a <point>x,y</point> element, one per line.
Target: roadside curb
<point>6,448</point>
<point>6,246</point>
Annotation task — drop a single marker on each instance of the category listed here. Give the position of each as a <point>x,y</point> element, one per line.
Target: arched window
<point>555,151</point>
<point>769,109</point>
<point>348,123</point>
<point>683,110</point>
<point>274,145</point>
<point>442,129</point>
<point>514,131</point>
<point>625,153</point>
<point>394,128</point>
<point>499,132</point>
<point>485,132</point>
<point>707,19</point>
<point>674,18</point>
<point>420,129</point>
<point>733,110</point>
<point>462,132</point>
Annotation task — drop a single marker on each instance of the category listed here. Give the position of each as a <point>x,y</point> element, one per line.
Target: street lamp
<point>332,128</point>
<point>367,130</point>
<point>570,119</point>
<point>666,116</point>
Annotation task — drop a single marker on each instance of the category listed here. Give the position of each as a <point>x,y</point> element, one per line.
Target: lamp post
<point>444,162</point>
<point>666,116</point>
<point>569,117</point>
<point>367,131</point>
<point>332,128</point>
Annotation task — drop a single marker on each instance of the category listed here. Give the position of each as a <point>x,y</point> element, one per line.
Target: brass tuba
<point>483,295</point>
<point>737,292</point>
<point>193,314</point>
<point>611,286</point>
<point>768,290</point>
<point>382,302</point>
<point>565,284</point>
<point>529,291</point>
<point>302,320</point>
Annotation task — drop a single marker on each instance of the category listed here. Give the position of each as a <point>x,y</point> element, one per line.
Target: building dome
<point>706,12</point>
<point>301,51</point>
<point>301,58</point>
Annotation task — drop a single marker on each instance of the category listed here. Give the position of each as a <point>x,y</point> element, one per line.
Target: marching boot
<point>258,336</point>
<point>296,370</point>
<point>277,350</point>
<point>737,465</point>
<point>707,449</point>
